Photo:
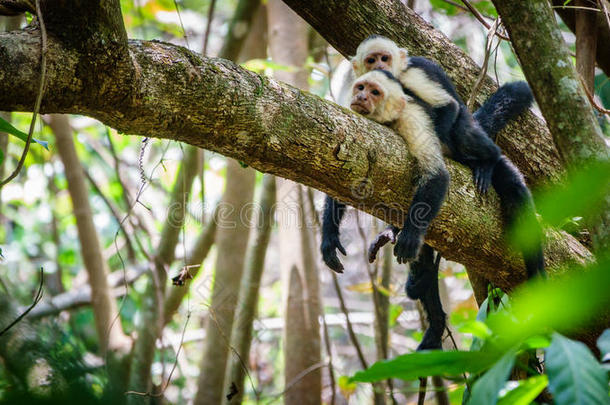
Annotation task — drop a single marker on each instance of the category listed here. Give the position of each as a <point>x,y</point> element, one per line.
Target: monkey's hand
<point>408,245</point>
<point>329,253</point>
<point>385,236</point>
<point>482,176</point>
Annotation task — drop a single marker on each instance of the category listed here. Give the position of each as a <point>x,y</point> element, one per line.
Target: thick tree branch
<point>214,104</point>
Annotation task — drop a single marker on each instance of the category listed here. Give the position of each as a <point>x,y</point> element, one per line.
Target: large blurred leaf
<point>426,363</point>
<point>583,194</point>
<point>6,126</point>
<point>526,391</point>
<point>575,376</point>
<point>485,390</point>
<point>564,304</point>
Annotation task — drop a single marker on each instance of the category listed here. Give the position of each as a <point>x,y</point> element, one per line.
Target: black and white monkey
<point>465,138</point>
<point>381,97</point>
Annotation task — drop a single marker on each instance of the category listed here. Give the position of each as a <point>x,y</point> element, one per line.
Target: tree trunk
<point>568,15</point>
<point>548,67</point>
<point>288,45</point>
<point>231,243</point>
<point>249,291</point>
<point>586,42</point>
<point>107,323</point>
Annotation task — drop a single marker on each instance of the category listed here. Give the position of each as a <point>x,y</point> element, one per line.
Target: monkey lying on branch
<point>416,98</point>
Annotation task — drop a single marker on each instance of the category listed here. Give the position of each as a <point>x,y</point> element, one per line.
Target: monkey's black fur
<point>422,284</point>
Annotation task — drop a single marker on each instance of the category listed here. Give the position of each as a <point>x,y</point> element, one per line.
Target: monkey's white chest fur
<point>417,129</point>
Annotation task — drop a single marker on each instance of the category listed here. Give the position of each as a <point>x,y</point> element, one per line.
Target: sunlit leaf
<point>259,65</point>
<point>485,390</point>
<point>476,328</point>
<point>575,376</point>
<point>426,363</point>
<point>525,392</point>
<point>346,387</point>
<point>6,126</point>
<point>365,287</point>
<point>537,342</point>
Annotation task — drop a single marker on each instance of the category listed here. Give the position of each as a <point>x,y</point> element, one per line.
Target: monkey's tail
<point>504,105</point>
<point>518,208</point>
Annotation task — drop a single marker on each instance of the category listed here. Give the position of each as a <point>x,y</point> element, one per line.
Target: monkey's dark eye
<point>384,58</point>
<point>360,87</point>
<point>375,92</point>
<point>370,60</point>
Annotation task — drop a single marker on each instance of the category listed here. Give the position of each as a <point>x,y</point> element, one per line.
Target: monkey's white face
<point>378,59</point>
<point>377,97</point>
<point>366,96</point>
<point>379,53</point>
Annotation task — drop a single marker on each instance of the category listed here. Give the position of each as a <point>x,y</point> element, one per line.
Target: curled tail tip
<point>521,91</point>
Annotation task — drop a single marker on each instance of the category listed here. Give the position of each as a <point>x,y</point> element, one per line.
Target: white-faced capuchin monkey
<point>379,96</point>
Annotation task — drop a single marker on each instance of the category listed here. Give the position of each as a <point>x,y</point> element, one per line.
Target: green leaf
<point>603,343</point>
<point>6,126</point>
<point>1,156</point>
<point>575,376</point>
<point>476,328</point>
<point>426,363</point>
<point>485,390</point>
<point>525,392</point>
<point>537,342</point>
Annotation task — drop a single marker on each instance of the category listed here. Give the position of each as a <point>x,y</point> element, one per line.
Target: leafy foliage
<point>575,376</point>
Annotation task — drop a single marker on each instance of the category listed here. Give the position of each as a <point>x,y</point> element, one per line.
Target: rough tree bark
<point>289,46</point>
<point>107,324</point>
<point>548,66</point>
<point>165,91</point>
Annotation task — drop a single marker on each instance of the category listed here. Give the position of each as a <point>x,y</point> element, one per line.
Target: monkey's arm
<point>331,220</point>
<point>385,236</point>
<point>426,204</point>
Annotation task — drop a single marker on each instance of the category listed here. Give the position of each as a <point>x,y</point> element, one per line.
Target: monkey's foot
<point>407,246</point>
<point>385,236</point>
<point>329,253</point>
<point>482,177</point>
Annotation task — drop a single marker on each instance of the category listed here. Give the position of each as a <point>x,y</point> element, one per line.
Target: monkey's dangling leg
<point>422,284</point>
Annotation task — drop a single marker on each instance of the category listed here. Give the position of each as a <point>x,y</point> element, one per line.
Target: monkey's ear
<point>355,64</point>
<point>404,58</point>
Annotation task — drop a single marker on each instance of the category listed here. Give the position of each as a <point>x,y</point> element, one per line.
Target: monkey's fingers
<point>380,241</point>
<point>339,246</point>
